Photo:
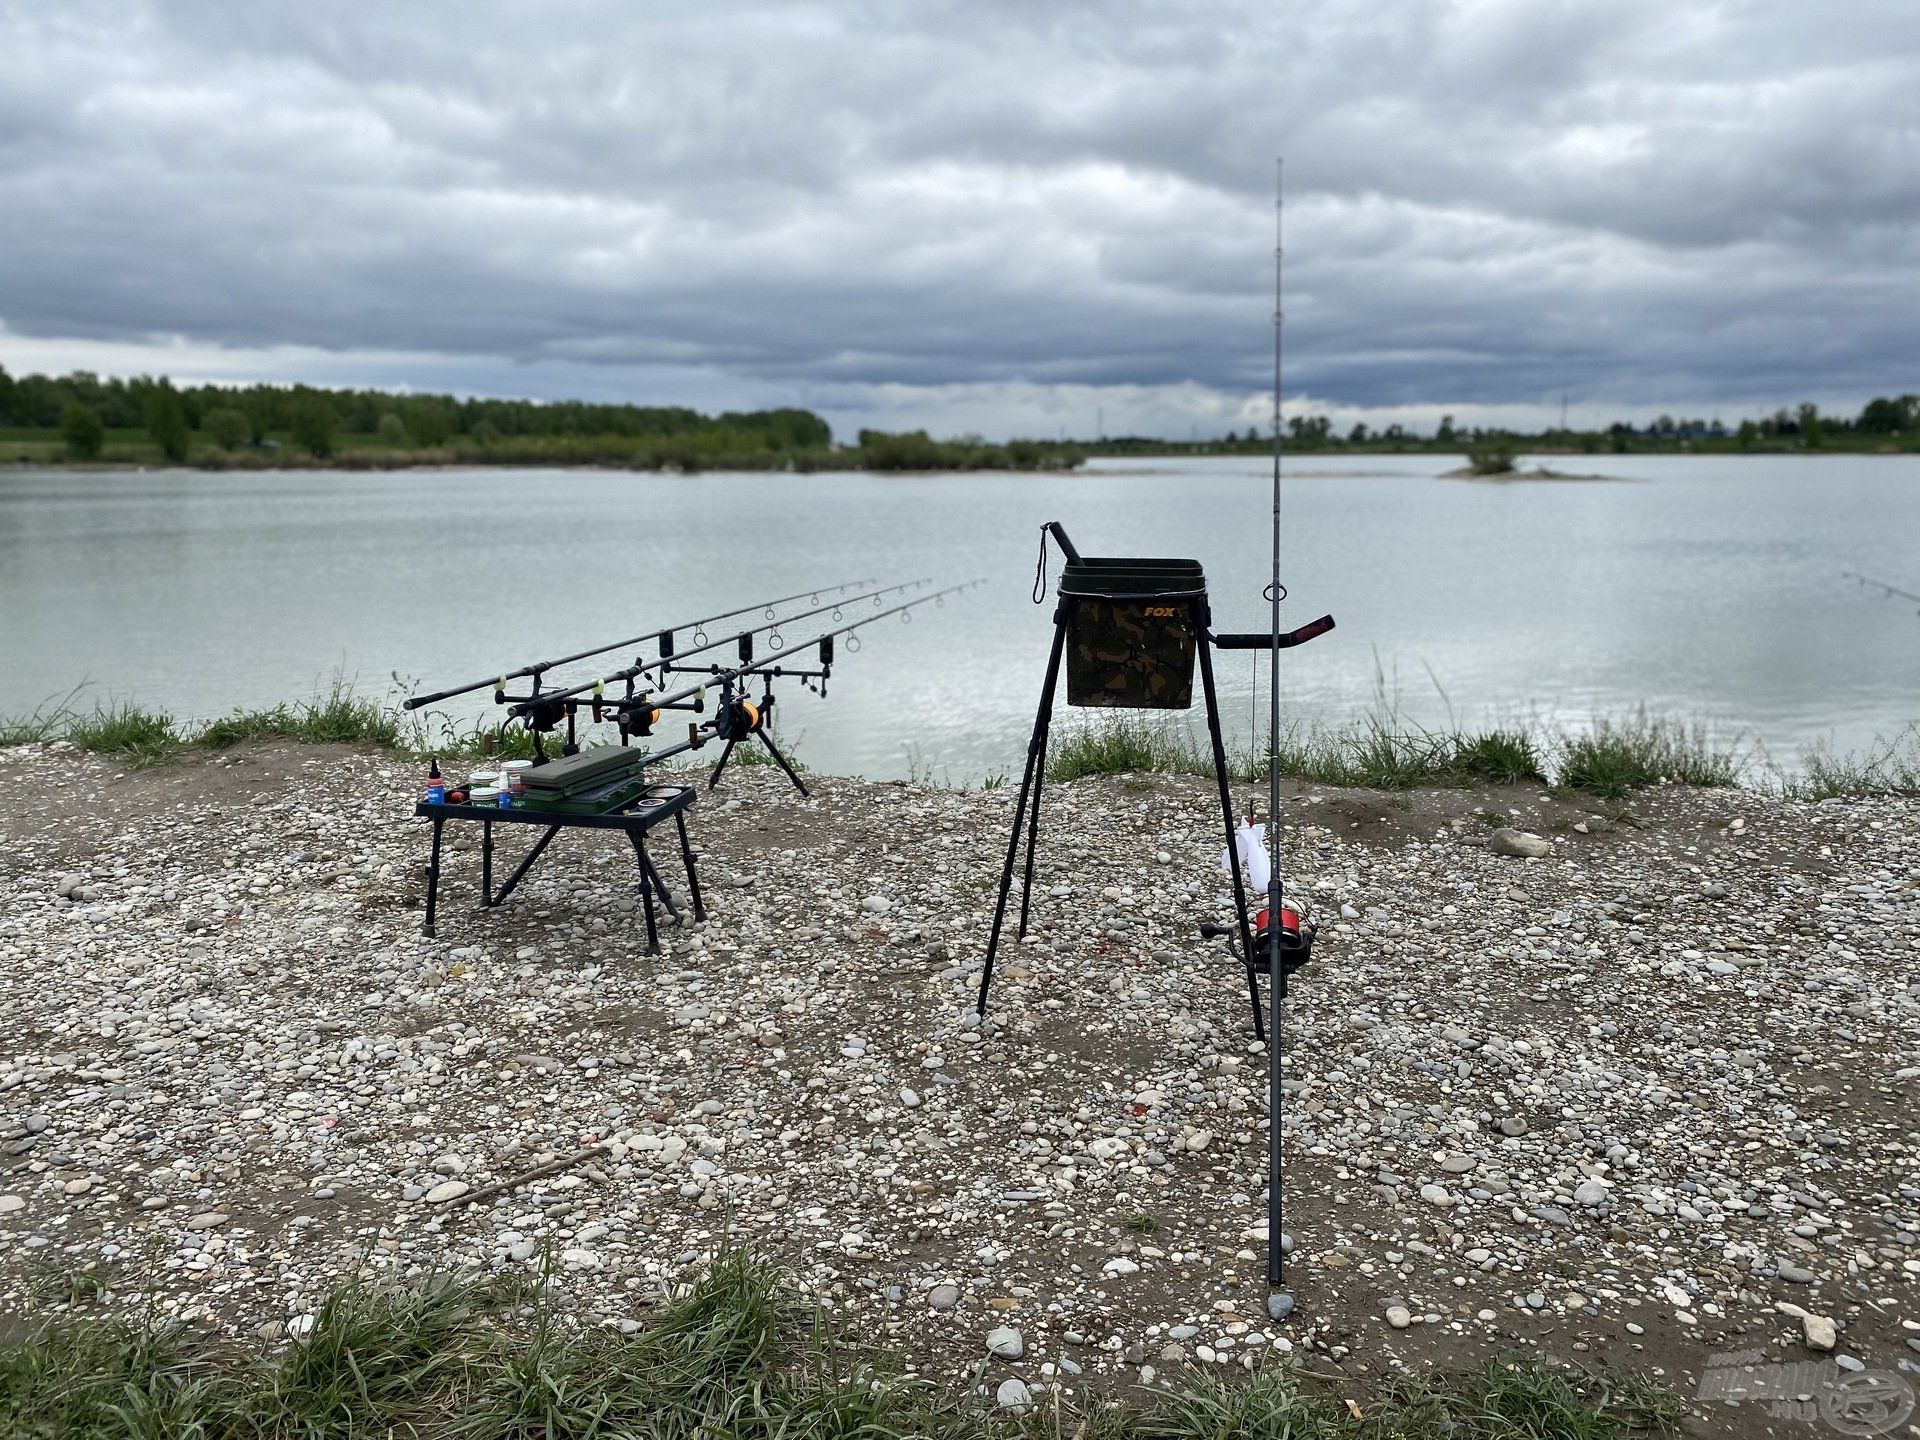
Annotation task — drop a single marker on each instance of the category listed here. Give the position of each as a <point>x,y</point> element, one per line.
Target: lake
<point>1710,588</point>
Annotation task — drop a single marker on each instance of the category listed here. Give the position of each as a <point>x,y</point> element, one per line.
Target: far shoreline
<point>1169,465</point>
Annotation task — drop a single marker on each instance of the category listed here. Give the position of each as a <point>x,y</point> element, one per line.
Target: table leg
<point>646,893</point>
<point>433,875</point>
<point>486,862</point>
<point>686,857</point>
<point>525,865</point>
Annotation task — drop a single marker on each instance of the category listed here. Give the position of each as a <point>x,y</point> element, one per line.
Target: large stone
<point>1006,1342</point>
<point>1521,844</point>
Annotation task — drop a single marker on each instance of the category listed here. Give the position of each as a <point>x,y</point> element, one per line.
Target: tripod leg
<point>1226,815</point>
<point>725,755</point>
<point>774,750</point>
<point>1033,823</point>
<point>1035,747</point>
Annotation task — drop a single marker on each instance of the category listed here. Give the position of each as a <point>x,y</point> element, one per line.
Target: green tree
<point>427,421</point>
<point>229,427</point>
<point>1882,416</point>
<point>1812,427</point>
<point>1445,433</point>
<point>1357,435</point>
<point>312,423</point>
<point>392,430</point>
<point>80,427</point>
<point>166,419</point>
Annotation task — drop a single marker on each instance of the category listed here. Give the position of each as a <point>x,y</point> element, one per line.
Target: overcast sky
<point>976,216</point>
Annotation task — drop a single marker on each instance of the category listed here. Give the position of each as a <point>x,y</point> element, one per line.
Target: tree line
<point>1882,421</point>
<point>221,425</point>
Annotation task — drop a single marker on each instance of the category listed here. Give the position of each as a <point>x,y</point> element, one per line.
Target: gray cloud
<point>997,215</point>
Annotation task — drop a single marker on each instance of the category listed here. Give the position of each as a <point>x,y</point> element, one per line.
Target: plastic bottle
<point>436,784</point>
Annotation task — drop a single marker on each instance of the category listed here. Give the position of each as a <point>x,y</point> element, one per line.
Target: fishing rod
<point>540,700</point>
<point>499,682</point>
<point>1881,585</point>
<point>1279,1300</point>
<point>768,666</point>
<point>735,718</point>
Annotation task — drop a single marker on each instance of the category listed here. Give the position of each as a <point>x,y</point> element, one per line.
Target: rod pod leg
<point>792,774</point>
<point>1035,746</point>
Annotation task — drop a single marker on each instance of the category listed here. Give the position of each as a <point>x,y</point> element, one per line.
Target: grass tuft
<point>375,1353</point>
<point>1891,768</point>
<point>125,729</point>
<point>1612,758</point>
<point>1125,743</point>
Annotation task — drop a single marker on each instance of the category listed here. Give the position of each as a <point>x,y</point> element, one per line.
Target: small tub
<point>484,795</point>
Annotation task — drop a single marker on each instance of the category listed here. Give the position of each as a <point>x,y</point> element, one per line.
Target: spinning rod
<point>499,682</point>
<point>669,658</point>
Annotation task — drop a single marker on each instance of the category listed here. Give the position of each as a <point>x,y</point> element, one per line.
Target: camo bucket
<point>1133,630</point>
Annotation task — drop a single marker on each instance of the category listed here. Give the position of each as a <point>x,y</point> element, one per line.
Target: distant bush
<point>166,417</point>
<point>312,424</point>
<point>82,431</point>
<point>1495,458</point>
<point>228,427</point>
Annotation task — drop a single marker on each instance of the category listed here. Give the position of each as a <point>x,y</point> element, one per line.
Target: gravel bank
<point>1641,1099</point>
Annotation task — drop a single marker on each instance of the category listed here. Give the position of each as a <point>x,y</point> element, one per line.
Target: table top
<point>648,808</point>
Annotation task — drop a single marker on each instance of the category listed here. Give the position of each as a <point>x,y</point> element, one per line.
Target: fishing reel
<point>738,717</point>
<point>1296,941</point>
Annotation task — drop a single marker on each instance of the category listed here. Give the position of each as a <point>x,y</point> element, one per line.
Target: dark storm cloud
<point>975,212</point>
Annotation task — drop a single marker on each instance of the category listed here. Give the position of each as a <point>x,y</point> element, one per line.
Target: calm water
<point>1710,588</point>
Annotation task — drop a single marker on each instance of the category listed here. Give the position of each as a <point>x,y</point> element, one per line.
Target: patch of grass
<point>1507,1400</point>
<point>48,722</point>
<point>738,1353</point>
<point>1612,759</point>
<point>1380,754</point>
<point>375,1353</point>
<point>109,1377</point>
<point>1500,757</point>
<point>339,717</point>
<point>1892,767</point>
<point>127,730</point>
<point>1125,743</point>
